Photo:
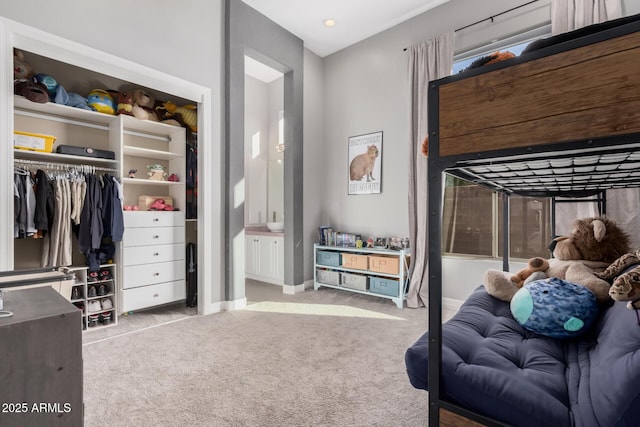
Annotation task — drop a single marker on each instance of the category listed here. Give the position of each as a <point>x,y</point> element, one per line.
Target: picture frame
<point>365,164</point>
<point>380,242</point>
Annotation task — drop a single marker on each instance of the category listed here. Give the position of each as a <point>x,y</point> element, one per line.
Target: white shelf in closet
<point>150,153</point>
<point>57,158</point>
<point>143,181</point>
<point>53,111</point>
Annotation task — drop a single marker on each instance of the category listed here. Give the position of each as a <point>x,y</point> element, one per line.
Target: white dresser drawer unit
<point>152,236</point>
<point>146,296</point>
<point>153,219</point>
<point>153,259</point>
<point>137,255</point>
<point>149,274</point>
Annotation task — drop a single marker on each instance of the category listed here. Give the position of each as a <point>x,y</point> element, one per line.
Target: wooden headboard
<point>582,93</point>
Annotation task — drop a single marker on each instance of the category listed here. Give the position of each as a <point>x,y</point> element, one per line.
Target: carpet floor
<point>318,358</point>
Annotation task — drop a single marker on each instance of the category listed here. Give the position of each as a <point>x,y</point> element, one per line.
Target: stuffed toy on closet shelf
<point>142,105</point>
<point>188,114</point>
<point>624,276</point>
<point>22,70</point>
<point>592,245</point>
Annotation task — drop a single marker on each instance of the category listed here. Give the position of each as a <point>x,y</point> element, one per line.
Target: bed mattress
<point>493,366</point>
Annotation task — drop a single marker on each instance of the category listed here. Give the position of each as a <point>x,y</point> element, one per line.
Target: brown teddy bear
<point>142,103</point>
<point>528,274</point>
<point>591,247</point>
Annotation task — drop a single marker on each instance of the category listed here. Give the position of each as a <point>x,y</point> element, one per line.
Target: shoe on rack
<point>93,320</point>
<point>75,293</point>
<point>94,306</point>
<point>105,318</point>
<point>80,306</point>
<point>105,275</point>
<point>102,290</point>
<point>93,277</point>
<point>91,292</point>
<point>106,303</point>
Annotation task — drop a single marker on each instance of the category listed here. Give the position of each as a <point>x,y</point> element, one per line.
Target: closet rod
<point>490,18</point>
<point>53,165</point>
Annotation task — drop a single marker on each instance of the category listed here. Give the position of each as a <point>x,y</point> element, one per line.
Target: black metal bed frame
<point>611,162</point>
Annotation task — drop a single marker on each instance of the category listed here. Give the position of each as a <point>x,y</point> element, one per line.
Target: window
<point>473,219</point>
<point>473,215</point>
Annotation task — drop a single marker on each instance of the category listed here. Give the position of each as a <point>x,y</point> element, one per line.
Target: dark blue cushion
<point>495,367</point>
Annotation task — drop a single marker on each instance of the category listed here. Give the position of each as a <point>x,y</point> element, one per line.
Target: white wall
<point>256,126</point>
<point>183,39</point>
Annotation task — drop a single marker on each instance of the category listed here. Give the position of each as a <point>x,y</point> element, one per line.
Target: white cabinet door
<point>250,255</point>
<point>265,265</point>
<point>277,256</point>
<point>264,258</point>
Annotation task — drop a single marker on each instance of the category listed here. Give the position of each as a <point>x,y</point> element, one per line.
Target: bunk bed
<point>562,119</point>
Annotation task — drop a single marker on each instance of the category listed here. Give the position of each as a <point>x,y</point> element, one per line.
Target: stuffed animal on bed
<point>592,245</point>
<point>624,274</point>
<point>554,308</point>
<point>535,270</point>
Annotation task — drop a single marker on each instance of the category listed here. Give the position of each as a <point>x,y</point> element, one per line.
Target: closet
<point>138,266</point>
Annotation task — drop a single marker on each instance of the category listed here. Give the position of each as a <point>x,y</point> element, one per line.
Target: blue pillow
<point>554,308</point>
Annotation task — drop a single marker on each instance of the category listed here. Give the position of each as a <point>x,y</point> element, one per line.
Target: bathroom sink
<point>275,226</point>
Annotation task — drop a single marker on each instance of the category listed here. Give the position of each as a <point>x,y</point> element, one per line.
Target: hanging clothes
<point>24,203</point>
<point>43,215</point>
<point>91,227</point>
<point>57,248</point>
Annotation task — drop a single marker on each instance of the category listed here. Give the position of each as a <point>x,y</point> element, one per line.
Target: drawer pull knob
<point>156,274</point>
<point>156,236</point>
<point>156,219</point>
<point>156,254</point>
<point>156,295</point>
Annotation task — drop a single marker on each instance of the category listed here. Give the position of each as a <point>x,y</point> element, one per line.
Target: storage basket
<point>33,141</point>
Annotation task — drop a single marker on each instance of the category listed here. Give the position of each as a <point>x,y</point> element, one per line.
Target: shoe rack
<point>95,294</point>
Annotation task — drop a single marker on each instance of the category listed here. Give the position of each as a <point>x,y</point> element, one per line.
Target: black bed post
<point>435,172</point>
<point>505,231</point>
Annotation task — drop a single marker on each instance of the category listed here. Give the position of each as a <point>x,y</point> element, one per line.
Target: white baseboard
<point>238,304</point>
<point>215,307</point>
<point>451,303</point>
<point>293,289</point>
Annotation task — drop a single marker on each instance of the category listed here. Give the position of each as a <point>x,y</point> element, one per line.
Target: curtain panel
<point>427,61</point>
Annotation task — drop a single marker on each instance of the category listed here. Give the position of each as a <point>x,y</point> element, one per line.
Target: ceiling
<point>355,19</point>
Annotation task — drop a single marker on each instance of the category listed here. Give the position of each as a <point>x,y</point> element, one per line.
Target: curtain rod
<point>490,18</point>
<point>494,16</point>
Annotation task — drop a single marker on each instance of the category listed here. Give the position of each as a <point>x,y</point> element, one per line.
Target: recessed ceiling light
<point>329,23</point>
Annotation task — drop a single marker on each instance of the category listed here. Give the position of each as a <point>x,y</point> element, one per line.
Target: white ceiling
<point>260,71</point>
<point>355,19</point>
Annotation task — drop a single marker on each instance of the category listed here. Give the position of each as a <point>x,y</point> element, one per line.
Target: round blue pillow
<point>554,308</point>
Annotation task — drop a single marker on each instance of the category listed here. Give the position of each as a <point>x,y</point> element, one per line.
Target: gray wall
<point>365,90</point>
<point>315,155</point>
<point>252,34</point>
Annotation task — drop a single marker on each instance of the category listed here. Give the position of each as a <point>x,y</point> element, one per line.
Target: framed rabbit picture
<point>365,163</point>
